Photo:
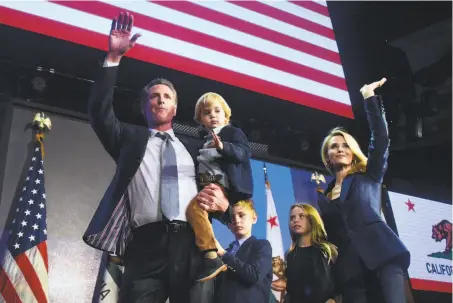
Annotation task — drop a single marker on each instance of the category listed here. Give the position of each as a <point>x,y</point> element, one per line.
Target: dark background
<point>419,164</point>
<point>364,31</point>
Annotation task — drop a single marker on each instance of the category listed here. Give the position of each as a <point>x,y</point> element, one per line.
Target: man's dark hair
<point>144,92</point>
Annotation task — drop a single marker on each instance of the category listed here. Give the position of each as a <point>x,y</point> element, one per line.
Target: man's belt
<point>160,227</point>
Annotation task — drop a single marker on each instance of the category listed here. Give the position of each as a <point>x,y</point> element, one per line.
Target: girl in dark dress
<point>372,259</point>
<point>309,260</point>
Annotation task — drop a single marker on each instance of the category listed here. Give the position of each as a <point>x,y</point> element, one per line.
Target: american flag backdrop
<point>285,49</point>
<point>24,266</point>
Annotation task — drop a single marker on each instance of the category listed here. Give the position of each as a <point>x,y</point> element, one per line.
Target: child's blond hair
<point>247,204</point>
<point>207,100</point>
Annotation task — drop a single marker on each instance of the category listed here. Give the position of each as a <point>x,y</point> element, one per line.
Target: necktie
<point>169,191</point>
<point>234,247</point>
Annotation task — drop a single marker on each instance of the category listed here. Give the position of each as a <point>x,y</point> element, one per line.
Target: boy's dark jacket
<point>249,275</point>
<point>235,162</point>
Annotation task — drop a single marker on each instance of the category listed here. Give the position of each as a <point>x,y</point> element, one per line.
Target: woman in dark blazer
<point>369,251</point>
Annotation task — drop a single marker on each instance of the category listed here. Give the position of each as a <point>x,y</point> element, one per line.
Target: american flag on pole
<point>284,49</point>
<point>274,236</point>
<point>24,267</point>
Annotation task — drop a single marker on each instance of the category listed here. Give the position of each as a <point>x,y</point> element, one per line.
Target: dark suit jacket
<point>110,228</point>
<point>357,223</point>
<point>235,163</point>
<point>249,275</point>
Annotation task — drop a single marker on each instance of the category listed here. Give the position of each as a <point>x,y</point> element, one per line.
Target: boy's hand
<point>279,285</point>
<point>216,141</point>
<point>220,250</point>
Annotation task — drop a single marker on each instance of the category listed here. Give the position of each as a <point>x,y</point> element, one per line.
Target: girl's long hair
<point>318,232</point>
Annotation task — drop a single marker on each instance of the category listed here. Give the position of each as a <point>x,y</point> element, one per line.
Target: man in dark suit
<point>249,260</point>
<point>141,217</point>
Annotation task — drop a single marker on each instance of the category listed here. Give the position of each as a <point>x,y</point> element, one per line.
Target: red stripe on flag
<point>42,247</point>
<point>32,278</point>
<point>210,42</point>
<point>220,45</point>
<point>313,6</point>
<point>7,289</point>
<point>250,28</point>
<point>431,285</point>
<point>147,54</point>
<point>286,17</point>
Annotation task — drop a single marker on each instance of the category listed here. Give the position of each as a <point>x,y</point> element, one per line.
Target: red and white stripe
<point>24,279</point>
<point>279,48</point>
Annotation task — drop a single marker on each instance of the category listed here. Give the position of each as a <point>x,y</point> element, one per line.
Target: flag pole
<point>266,181</point>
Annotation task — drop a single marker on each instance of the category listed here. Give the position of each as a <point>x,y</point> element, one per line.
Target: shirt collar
<point>170,132</point>
<point>206,132</point>
<point>241,241</point>
<point>218,129</point>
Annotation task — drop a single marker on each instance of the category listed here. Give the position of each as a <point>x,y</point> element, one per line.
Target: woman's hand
<point>368,89</point>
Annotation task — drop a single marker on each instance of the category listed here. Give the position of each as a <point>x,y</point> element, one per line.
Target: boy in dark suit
<point>225,160</point>
<point>249,260</point>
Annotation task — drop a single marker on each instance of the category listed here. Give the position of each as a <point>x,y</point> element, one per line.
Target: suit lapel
<point>243,249</point>
<point>345,187</point>
<point>135,153</point>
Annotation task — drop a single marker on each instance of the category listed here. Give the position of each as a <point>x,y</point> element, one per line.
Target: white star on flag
<point>24,263</point>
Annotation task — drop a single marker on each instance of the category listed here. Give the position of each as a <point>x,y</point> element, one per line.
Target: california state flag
<point>274,236</point>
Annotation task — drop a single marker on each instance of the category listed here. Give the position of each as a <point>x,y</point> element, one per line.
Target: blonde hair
<point>247,204</point>
<point>318,232</point>
<point>359,161</point>
<point>209,99</point>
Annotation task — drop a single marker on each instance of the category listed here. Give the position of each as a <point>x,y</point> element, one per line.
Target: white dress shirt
<point>143,189</point>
